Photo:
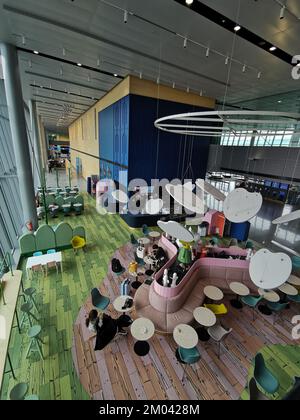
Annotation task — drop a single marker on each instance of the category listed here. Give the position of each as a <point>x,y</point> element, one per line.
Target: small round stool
<point>18,392</point>
<point>141,348</point>
<point>32,398</point>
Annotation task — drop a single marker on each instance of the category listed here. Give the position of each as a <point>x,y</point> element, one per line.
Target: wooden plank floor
<point>117,372</point>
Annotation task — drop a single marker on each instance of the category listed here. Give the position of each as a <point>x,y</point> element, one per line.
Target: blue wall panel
<point>156,153</point>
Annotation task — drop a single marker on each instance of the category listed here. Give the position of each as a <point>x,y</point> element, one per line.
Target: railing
<point>5,266</point>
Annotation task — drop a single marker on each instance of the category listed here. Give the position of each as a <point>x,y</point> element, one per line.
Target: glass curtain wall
<point>11,215</point>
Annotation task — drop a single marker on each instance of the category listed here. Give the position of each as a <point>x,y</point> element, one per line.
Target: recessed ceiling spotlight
<point>189,2</point>
<point>272,48</point>
<point>279,102</point>
<point>35,52</point>
<point>237,28</point>
<point>79,64</point>
<point>116,75</point>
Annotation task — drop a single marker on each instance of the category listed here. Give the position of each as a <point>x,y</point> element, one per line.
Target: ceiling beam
<point>64,92</point>
<point>62,100</point>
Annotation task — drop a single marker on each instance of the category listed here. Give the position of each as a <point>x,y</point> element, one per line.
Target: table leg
<point>236,303</point>
<point>18,322</point>
<point>203,334</point>
<point>61,267</point>
<point>11,366</point>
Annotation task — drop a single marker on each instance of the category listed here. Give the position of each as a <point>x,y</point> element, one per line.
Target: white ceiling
<point>92,29</point>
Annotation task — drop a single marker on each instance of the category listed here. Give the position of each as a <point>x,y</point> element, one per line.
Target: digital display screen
<point>268,183</point>
<point>275,185</point>
<point>284,186</point>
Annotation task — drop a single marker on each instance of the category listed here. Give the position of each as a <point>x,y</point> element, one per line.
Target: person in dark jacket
<point>105,327</point>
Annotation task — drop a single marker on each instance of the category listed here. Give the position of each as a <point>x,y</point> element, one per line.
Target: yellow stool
<point>217,309</point>
<point>78,243</point>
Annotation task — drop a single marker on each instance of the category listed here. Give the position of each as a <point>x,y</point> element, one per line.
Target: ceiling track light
<point>189,2</point>
<point>237,28</point>
<point>158,80</point>
<point>201,92</point>
<point>185,42</point>
<point>125,16</point>
<point>259,75</point>
<point>35,52</point>
<point>226,60</point>
<point>23,40</point>
<point>89,78</point>
<point>141,75</point>
<point>187,90</point>
<point>61,72</point>
<point>64,52</point>
<point>174,85</point>
<point>30,63</point>
<point>272,48</point>
<point>244,68</point>
<point>98,62</point>
<point>207,52</point>
<point>282,12</point>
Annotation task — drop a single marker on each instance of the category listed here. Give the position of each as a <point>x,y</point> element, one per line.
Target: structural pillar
<point>36,142</point>
<point>13,89</point>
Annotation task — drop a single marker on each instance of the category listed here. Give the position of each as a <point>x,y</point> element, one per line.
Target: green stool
<point>18,392</point>
<point>35,340</point>
<point>29,293</point>
<point>32,398</point>
<point>27,314</point>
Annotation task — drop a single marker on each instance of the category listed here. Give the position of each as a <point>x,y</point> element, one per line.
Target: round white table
<point>154,235</point>
<point>240,290</point>
<point>142,329</point>
<point>213,293</point>
<point>288,289</point>
<point>144,241</point>
<point>294,280</point>
<point>185,336</point>
<point>206,318</point>
<point>119,303</point>
<point>193,221</point>
<point>269,296</point>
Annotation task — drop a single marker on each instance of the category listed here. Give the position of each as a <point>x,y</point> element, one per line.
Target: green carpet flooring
<point>59,298</point>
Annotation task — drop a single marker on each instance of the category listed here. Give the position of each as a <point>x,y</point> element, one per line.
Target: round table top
<point>148,260</point>
<point>269,295</point>
<point>154,234</point>
<point>294,280</point>
<point>185,336</point>
<point>205,317</point>
<point>239,289</point>
<point>288,289</point>
<point>77,205</point>
<point>144,241</point>
<point>193,221</point>
<point>213,293</point>
<point>142,329</point>
<point>66,205</point>
<point>119,302</point>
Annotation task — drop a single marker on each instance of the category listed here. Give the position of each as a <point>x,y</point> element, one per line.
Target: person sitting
<point>105,327</point>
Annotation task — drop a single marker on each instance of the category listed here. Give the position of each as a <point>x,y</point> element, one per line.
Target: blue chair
<point>264,378</point>
<point>99,301</point>
<point>296,262</point>
<point>188,356</point>
<point>51,251</point>
<point>277,308</point>
<point>145,230</point>
<point>252,302</point>
<point>37,254</point>
<point>295,299</point>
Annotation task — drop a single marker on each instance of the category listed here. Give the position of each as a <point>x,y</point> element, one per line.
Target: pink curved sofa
<point>167,307</point>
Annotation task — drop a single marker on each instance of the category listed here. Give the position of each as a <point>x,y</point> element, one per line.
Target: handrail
<point>7,262</point>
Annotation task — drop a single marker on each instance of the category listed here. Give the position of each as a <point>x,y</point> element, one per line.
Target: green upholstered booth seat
<point>49,237</point>
<point>27,243</point>
<point>59,201</point>
<point>45,238</point>
<point>79,231</point>
<point>63,235</point>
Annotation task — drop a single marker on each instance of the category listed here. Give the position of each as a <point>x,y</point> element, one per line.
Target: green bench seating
<point>47,237</point>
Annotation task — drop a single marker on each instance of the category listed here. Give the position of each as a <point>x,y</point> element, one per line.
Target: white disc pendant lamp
<point>186,198</point>
<point>176,230</point>
<point>287,218</point>
<point>210,189</point>
<point>241,205</point>
<point>270,270</point>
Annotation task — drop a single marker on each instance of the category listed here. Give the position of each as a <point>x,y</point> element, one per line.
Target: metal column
<point>36,142</point>
<point>13,89</point>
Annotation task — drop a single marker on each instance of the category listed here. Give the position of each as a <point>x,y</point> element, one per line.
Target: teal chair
<point>295,299</point>
<point>296,262</point>
<point>252,302</point>
<point>145,230</point>
<point>189,356</point>
<point>18,392</point>
<point>37,254</point>
<point>277,308</point>
<point>51,251</point>
<point>99,301</point>
<point>254,392</point>
<point>263,377</point>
